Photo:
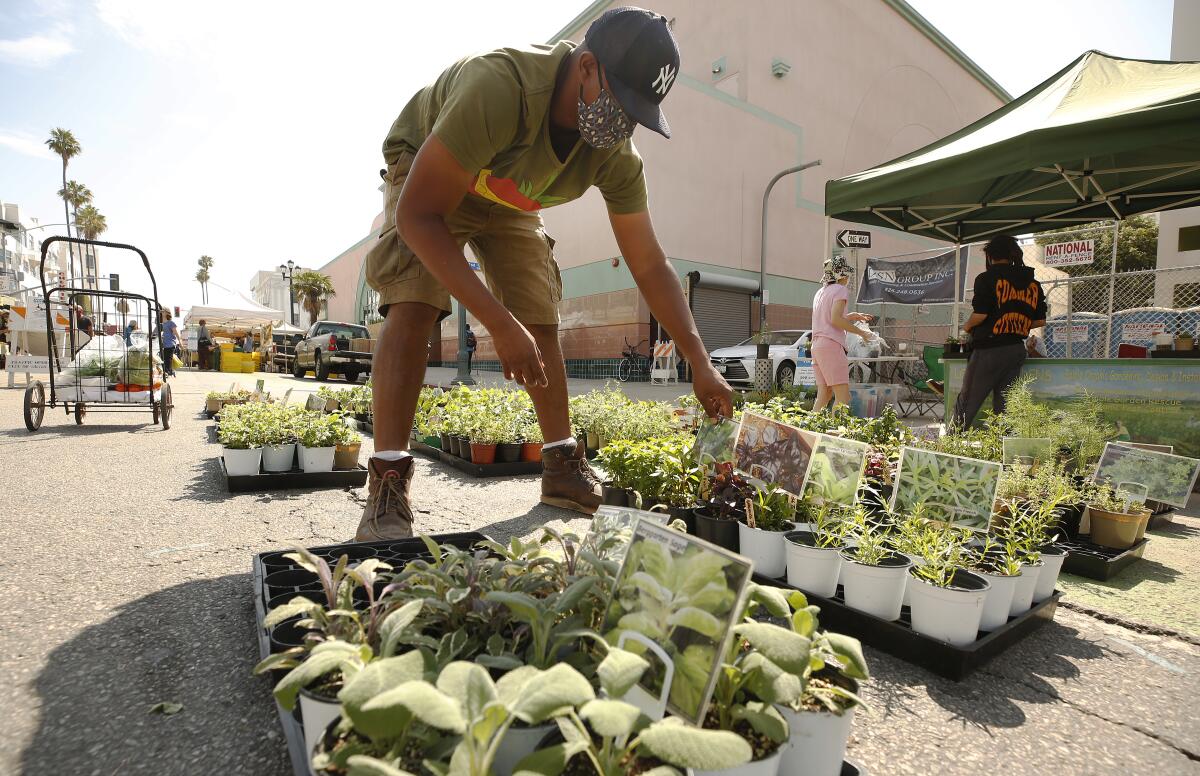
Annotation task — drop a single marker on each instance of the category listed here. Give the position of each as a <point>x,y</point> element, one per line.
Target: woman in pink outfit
<point>830,325</point>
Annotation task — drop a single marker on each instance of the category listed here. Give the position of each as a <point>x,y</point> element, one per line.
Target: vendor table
<point>884,369</point>
<point>1150,399</point>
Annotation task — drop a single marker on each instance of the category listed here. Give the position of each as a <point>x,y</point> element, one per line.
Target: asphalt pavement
<point>125,582</point>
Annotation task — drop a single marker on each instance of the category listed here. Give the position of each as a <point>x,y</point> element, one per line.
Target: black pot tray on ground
<point>266,563</point>
<point>338,478</point>
<point>1096,561</point>
<point>515,469</point>
<point>900,640</point>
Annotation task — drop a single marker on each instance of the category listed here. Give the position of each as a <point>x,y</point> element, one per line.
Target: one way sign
<point>853,238</point>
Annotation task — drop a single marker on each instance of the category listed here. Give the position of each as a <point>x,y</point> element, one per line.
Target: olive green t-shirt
<point>492,112</point>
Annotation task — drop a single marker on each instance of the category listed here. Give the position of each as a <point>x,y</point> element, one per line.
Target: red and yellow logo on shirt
<point>505,191</point>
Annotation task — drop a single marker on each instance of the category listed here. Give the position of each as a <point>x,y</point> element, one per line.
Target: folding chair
<point>920,399</point>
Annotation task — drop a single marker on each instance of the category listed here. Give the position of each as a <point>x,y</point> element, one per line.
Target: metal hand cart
<point>76,351</point>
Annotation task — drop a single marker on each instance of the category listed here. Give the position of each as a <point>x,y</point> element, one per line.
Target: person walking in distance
<point>471,160</point>
<point>203,345</point>
<point>472,343</point>
<point>831,324</point>
<point>1008,304</point>
<point>169,333</point>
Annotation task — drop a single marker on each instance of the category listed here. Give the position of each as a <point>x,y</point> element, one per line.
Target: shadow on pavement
<point>988,698</point>
<point>192,644</point>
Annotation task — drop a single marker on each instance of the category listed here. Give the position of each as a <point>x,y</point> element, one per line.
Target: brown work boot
<point>387,514</point>
<point>568,480</point>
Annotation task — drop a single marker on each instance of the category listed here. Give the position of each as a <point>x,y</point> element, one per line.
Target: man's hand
<point>520,358</point>
<point>715,395</point>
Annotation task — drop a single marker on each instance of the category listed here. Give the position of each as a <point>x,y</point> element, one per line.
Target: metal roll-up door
<point>721,307</point>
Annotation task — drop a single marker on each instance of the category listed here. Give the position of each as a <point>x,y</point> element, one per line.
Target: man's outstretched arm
<point>658,282</point>
<point>433,190</point>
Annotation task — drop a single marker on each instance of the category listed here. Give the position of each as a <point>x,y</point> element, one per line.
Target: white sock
<point>560,443</point>
<point>391,455</point>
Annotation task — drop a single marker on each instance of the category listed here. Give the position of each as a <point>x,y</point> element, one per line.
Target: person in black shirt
<point>472,344</point>
<point>1008,303</point>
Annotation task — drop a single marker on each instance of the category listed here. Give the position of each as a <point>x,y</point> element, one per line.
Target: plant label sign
<point>617,523</point>
<point>774,452</point>
<point>1069,254</point>
<point>715,441</point>
<point>955,490</point>
<point>684,595</point>
<point>835,469</point>
<point>1036,449</point>
<point>1164,477</point>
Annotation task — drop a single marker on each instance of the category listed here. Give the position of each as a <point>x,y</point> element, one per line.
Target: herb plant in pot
<point>508,438</point>
<point>1001,567</point>
<point>240,446</point>
<point>483,441</point>
<point>946,600</point>
<point>1117,518</point>
<point>279,439</point>
<point>617,461</point>
<point>531,438</point>
<point>768,516</point>
<point>725,507</point>
<point>814,557</point>
<point>318,434</point>
<point>821,713</point>
<point>873,575</point>
<point>347,449</point>
<point>1022,536</point>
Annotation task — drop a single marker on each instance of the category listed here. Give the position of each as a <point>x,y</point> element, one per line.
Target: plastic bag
<point>175,362</point>
<point>872,347</point>
<point>137,366</point>
<point>94,361</point>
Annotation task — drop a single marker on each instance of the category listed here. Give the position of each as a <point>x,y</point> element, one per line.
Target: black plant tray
<point>1098,562</point>
<point>338,478</point>
<point>264,563</point>
<point>478,469</point>
<point>1193,353</point>
<point>899,639</point>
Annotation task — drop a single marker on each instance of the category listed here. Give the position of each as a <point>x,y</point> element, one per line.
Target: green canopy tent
<point>1104,138</point>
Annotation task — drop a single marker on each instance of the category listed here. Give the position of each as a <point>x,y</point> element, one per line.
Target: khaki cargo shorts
<point>514,252</point>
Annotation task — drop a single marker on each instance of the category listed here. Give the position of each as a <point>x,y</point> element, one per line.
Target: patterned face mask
<point>603,124</point>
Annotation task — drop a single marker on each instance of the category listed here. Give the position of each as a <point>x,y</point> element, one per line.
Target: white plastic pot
<point>876,590</point>
<point>917,563</point>
<point>768,766</point>
<point>316,459</point>
<point>817,745</point>
<point>518,743</point>
<point>1023,593</point>
<point>765,548</point>
<point>850,544</point>
<point>949,614</point>
<point>317,713</point>
<point>998,601</point>
<point>813,569</point>
<point>1052,560</point>
<point>278,458</point>
<point>241,463</point>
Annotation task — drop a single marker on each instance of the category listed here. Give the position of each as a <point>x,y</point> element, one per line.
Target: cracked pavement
<point>125,580</point>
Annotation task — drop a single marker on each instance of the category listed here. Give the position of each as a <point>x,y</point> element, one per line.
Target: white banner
<point>1141,332</point>
<point>26,363</point>
<point>1069,254</point>
<point>1078,333</point>
<point>806,376</point>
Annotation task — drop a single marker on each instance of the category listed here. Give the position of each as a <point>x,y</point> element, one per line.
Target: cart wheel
<point>35,405</point>
<point>165,406</point>
<point>80,412</point>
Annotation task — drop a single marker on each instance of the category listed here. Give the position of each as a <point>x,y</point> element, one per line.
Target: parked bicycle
<point>633,362</point>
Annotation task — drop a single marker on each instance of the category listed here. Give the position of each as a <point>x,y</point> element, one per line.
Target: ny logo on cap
<point>665,77</point>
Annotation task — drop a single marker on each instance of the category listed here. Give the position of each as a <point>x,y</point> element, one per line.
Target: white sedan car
<point>786,348</point>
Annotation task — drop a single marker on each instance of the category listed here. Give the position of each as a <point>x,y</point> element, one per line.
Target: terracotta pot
<point>531,452</point>
<point>483,453</point>
<point>1115,529</point>
<point>346,456</point>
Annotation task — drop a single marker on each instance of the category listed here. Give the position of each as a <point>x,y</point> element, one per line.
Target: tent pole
<point>954,326</point>
<point>1112,288</point>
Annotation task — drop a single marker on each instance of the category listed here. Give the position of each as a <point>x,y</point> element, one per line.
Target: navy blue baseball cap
<point>640,60</point>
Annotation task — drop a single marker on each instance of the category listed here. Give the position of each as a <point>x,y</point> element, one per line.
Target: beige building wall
<point>865,85</point>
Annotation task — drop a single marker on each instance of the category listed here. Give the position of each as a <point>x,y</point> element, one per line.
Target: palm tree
<point>91,224</point>
<point>202,276</point>
<point>63,143</point>
<point>76,195</point>
<point>314,289</point>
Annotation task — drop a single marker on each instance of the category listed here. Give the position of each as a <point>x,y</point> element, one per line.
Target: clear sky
<point>250,130</point>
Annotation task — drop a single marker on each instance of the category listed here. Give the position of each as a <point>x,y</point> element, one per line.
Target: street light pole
<point>286,271</point>
<point>762,245</point>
